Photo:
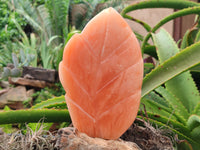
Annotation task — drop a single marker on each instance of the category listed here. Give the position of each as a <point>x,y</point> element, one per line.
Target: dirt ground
<point>146,137</point>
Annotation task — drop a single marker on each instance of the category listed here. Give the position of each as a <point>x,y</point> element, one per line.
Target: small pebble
<point>1,131</point>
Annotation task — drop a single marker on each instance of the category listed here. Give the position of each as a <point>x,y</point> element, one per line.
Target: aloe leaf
<point>53,102</point>
<point>34,115</point>
<point>192,36</point>
<point>193,122</point>
<point>194,125</point>
<point>176,105</point>
<point>196,133</point>
<point>167,121</point>
<point>156,98</point>
<point>157,108</point>
<point>184,42</point>
<point>197,39</point>
<point>165,45</point>
<point>147,68</point>
<point>197,109</point>
<point>171,68</point>
<point>182,86</point>
<point>195,68</point>
<point>150,50</point>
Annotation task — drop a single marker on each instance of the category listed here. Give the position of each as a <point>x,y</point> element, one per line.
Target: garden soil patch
<point>147,138</point>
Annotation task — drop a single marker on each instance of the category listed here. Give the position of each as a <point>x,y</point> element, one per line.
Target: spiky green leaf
<point>50,103</point>
<point>197,109</point>
<point>193,122</point>
<point>157,108</point>
<point>177,107</point>
<point>172,67</point>
<point>182,86</point>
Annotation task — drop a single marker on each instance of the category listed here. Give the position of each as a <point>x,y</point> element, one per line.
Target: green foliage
<point>50,22</point>
<point>57,90</point>
<point>42,96</point>
<point>37,2</point>
<point>7,128</point>
<point>51,103</point>
<point>81,11</point>
<point>35,126</point>
<point>49,37</point>
<point>147,68</point>
<point>14,72</point>
<point>180,91</point>
<point>182,85</point>
<point>8,32</point>
<point>169,93</point>
<point>28,50</point>
<point>58,13</point>
<point>171,67</point>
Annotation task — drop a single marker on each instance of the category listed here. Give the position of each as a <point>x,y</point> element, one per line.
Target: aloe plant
<point>169,92</point>
<point>81,11</point>
<point>180,93</point>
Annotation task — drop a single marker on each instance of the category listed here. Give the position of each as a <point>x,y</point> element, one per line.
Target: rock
<point>14,97</point>
<point>71,139</point>
<point>29,82</point>
<point>1,131</point>
<point>3,91</point>
<point>4,84</point>
<point>30,92</point>
<point>40,74</point>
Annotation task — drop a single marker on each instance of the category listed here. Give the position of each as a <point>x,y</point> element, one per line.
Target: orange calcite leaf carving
<point>101,72</point>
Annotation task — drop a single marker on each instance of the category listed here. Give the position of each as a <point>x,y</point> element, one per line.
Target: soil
<point>146,137</point>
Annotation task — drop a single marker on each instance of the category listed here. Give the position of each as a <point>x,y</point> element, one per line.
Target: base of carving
<point>70,139</point>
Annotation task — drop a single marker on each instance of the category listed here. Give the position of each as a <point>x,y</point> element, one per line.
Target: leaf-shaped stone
<point>101,72</point>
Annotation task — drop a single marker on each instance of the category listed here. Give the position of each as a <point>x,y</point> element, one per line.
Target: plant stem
<point>178,4</point>
<point>34,115</point>
<point>184,12</point>
<point>145,25</point>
